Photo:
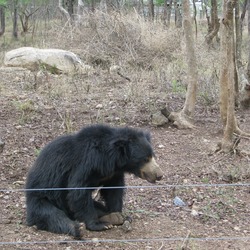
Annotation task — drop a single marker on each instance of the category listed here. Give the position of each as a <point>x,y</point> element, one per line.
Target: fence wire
<point>129,187</point>
<point>129,240</point>
<point>139,240</point>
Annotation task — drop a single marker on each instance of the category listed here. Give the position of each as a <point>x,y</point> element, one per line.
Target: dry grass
<point>150,54</point>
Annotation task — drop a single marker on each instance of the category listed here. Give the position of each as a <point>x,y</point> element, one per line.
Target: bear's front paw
<point>98,226</point>
<point>115,218</point>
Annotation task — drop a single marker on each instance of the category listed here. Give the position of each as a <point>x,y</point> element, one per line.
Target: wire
<point>129,187</point>
<point>95,240</point>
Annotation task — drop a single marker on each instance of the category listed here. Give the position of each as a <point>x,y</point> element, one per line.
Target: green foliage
<point>37,151</point>
<point>159,2</point>
<point>27,109</point>
<point>177,87</point>
<point>51,69</point>
<point>3,2</point>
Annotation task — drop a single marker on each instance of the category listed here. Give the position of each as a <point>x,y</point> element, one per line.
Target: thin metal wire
<point>226,238</point>
<point>129,240</point>
<point>130,187</point>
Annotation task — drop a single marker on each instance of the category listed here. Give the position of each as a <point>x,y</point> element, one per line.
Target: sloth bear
<point>96,156</point>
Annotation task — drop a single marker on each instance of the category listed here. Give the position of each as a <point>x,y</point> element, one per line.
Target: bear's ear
<point>121,146</point>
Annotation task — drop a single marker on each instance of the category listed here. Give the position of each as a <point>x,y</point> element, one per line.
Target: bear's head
<point>137,156</point>
<point>150,171</point>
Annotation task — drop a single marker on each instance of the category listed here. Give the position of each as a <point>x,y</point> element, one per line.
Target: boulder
<point>158,119</point>
<point>54,60</point>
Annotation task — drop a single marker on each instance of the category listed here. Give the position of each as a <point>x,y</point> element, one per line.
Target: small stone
<point>194,212</point>
<point>19,183</point>
<point>99,106</point>
<point>158,119</point>
<point>179,202</point>
<point>126,226</point>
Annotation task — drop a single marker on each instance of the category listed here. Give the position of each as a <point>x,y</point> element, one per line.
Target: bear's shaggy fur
<point>96,156</point>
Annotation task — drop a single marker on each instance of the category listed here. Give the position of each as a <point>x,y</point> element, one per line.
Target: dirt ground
<point>35,108</point>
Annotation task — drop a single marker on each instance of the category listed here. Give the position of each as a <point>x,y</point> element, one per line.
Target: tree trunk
<point>227,78</point>
<point>2,20</point>
<point>214,25</point>
<point>183,119</point>
<point>195,18</point>
<point>63,10</point>
<point>167,12</point>
<point>70,7</point>
<point>240,31</point>
<point>80,6</point>
<point>15,16</point>
<point>178,18</point>
<point>248,27</point>
<point>151,11</point>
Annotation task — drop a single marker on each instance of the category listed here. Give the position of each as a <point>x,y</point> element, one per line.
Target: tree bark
<point>167,12</point>
<point>248,27</point>
<point>177,11</point>
<point>15,27</point>
<point>183,119</point>
<point>2,20</point>
<point>70,7</point>
<point>63,10</point>
<point>227,78</point>
<point>151,11</point>
<point>214,25</point>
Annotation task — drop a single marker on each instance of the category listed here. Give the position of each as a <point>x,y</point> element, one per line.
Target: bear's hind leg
<point>46,216</point>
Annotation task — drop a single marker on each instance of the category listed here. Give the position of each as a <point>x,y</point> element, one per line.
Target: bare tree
<point>248,23</point>
<point>227,78</point>
<point>70,7</point>
<point>25,15</point>
<point>15,17</point>
<point>151,11</point>
<point>2,19</point>
<point>80,6</point>
<point>183,119</point>
<point>167,12</point>
<point>178,17</point>
<point>63,10</point>
<point>214,24</point>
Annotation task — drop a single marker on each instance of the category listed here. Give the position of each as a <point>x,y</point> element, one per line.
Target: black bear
<point>96,156</point>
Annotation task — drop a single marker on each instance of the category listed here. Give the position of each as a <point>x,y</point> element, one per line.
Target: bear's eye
<point>147,159</point>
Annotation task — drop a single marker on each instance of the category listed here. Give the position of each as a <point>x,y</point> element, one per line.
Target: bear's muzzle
<point>151,171</point>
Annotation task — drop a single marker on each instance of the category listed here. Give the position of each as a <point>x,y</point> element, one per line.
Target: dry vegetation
<point>38,106</point>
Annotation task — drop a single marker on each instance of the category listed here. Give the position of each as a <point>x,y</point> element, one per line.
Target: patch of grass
<point>27,109</point>
<point>177,87</point>
<point>206,98</point>
<point>37,151</point>
<point>205,180</point>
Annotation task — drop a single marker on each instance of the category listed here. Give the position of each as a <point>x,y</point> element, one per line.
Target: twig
<point>161,247</point>
<point>185,242</point>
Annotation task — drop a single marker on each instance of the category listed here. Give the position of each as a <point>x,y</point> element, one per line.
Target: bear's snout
<point>151,172</point>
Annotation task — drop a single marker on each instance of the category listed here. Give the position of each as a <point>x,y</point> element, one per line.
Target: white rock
<point>55,60</point>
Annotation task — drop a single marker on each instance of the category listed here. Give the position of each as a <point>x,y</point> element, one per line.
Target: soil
<point>37,107</point>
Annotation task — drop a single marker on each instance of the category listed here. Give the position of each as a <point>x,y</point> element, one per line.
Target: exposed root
<point>226,146</point>
<point>241,133</point>
<point>180,120</point>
